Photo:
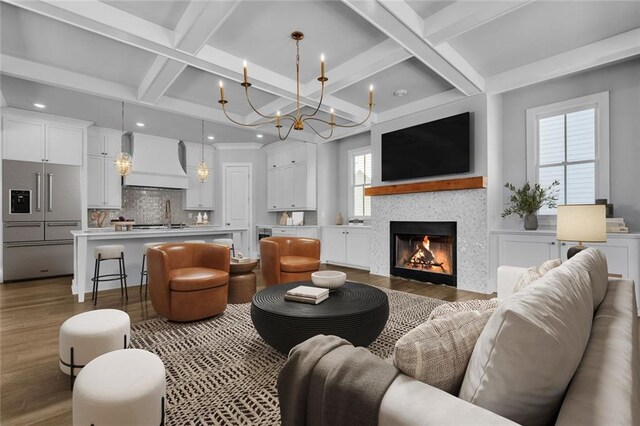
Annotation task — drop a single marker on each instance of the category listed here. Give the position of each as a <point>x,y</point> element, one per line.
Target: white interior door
<point>237,195</point>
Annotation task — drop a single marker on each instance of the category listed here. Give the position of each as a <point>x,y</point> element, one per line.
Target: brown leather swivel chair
<point>288,259</point>
<point>188,281</point>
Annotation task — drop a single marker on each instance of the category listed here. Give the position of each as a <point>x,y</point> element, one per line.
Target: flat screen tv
<point>440,147</point>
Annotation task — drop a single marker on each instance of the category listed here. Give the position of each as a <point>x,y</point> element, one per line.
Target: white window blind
<point>569,142</point>
<point>567,154</point>
<point>361,179</point>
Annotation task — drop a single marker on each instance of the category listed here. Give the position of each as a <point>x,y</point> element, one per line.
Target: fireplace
<point>424,251</point>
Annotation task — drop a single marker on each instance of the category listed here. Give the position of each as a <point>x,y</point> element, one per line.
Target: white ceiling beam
<point>57,77</point>
<point>3,101</point>
<point>596,54</point>
<point>463,16</point>
<point>411,39</point>
<point>196,26</point>
<point>440,99</point>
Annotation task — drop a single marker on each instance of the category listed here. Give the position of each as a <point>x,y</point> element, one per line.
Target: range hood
<point>156,163</point>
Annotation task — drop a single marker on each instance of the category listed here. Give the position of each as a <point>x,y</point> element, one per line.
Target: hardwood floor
<point>35,391</point>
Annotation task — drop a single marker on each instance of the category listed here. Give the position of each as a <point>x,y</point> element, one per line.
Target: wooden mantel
<point>475,182</point>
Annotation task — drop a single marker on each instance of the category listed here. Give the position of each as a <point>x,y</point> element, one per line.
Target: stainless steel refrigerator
<point>41,207</point>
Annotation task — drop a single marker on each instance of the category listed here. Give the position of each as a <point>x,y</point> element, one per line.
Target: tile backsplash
<point>147,206</point>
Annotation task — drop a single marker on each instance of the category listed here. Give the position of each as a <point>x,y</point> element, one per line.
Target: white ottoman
<point>123,387</point>
<point>86,336</point>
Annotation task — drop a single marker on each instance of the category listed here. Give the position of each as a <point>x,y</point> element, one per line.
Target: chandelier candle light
<point>123,161</point>
<point>298,120</point>
<point>203,170</point>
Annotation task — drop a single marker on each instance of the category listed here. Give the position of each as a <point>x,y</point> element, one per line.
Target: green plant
<point>528,200</point>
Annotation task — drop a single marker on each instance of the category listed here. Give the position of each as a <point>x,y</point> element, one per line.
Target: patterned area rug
<point>220,371</point>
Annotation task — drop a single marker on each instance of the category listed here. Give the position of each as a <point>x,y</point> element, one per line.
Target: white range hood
<point>156,163</point>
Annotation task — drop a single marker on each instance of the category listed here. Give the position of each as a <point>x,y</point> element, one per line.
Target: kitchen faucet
<point>167,213</point>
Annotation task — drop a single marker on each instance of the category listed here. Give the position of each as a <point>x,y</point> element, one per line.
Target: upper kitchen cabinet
<point>35,137</point>
<point>199,195</point>
<point>291,177</point>
<point>104,184</point>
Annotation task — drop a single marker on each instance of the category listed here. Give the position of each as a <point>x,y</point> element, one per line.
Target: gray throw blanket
<point>326,381</point>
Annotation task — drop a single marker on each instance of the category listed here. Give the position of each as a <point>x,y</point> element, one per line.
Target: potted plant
<point>526,201</point>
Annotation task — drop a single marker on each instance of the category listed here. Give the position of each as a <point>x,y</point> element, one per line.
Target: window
<point>359,179</point>
<point>569,142</point>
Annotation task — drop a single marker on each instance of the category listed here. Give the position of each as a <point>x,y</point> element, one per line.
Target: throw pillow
<point>437,352</point>
<point>530,349</point>
<point>467,305</point>
<point>532,274</point>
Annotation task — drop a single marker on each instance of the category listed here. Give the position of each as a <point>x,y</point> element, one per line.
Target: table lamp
<point>582,223</point>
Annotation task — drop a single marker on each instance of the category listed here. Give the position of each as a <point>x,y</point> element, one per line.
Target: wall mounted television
<point>440,147</point>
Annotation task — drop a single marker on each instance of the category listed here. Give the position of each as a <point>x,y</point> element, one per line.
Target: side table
<point>242,282</point>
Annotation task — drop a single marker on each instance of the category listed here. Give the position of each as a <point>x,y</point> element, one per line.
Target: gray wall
<point>623,83</point>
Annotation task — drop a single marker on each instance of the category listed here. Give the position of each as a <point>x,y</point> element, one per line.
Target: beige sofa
<point>591,376</point>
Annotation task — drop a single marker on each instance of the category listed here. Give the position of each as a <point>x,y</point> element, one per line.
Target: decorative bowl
<point>328,279</point>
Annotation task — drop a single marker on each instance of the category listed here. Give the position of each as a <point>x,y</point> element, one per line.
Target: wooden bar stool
<point>144,277</point>
<point>103,253</point>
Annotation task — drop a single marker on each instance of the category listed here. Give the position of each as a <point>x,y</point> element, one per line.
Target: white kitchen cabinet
<point>295,231</point>
<point>291,177</point>
<point>26,137</point>
<point>199,195</point>
<point>104,184</point>
<point>529,248</point>
<point>347,245</point>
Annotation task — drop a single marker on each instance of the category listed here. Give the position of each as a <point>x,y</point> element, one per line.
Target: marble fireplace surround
<point>466,207</point>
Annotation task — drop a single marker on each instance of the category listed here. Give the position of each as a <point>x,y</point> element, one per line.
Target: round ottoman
<point>123,387</point>
<point>242,282</point>
<point>86,336</point>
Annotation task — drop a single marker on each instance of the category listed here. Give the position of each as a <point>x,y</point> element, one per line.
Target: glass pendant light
<point>123,161</point>
<point>203,170</point>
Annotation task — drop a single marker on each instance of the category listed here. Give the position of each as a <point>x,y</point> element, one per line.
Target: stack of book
<point>616,224</point>
<point>306,294</point>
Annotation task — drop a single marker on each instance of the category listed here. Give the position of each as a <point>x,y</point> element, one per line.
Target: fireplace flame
<point>423,257</point>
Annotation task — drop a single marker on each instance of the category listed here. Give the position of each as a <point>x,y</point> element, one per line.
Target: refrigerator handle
<point>38,191</point>
<point>50,192</point>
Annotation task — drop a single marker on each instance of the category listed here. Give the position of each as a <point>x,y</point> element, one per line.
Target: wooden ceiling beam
<point>599,53</point>
<point>407,33</point>
<point>463,16</point>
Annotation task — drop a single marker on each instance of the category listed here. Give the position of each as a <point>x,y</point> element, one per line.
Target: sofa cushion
<point>594,262</point>
<point>534,273</point>
<point>298,264</point>
<point>437,351</point>
<point>465,306</point>
<point>192,279</point>
<point>531,347</point>
<point>605,390</point>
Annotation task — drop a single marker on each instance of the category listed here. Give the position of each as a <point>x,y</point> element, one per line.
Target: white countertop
<point>552,231</point>
<point>110,233</point>
<point>350,225</point>
<point>286,226</point>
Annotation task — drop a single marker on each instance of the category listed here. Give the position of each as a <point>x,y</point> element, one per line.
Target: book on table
<point>309,300</point>
<point>309,292</point>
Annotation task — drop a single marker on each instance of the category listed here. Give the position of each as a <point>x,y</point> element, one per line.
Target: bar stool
<point>195,241</point>
<point>103,253</point>
<point>226,242</point>
<point>143,272</point>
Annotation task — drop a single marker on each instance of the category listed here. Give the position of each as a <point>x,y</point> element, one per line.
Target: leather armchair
<point>188,281</point>
<point>288,259</point>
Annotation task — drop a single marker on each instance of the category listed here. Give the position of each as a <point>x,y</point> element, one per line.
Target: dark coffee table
<point>355,312</point>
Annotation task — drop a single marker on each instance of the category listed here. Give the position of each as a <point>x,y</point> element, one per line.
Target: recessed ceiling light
<point>259,135</point>
<point>41,106</point>
<point>210,137</point>
<point>140,124</point>
<point>400,93</point>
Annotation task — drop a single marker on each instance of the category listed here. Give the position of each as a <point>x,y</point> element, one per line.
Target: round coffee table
<point>355,312</point>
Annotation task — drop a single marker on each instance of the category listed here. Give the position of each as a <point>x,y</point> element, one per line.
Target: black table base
<point>355,312</point>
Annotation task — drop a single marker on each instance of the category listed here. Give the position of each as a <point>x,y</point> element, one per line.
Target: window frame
<point>351,154</point>
<point>600,103</point>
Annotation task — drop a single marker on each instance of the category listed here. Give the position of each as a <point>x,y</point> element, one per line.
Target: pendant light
<point>123,160</point>
<point>203,170</point>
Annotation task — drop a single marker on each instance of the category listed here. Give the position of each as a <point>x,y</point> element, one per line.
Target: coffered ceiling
<point>165,58</point>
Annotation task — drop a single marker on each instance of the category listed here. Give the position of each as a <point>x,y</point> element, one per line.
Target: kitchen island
<point>85,242</point>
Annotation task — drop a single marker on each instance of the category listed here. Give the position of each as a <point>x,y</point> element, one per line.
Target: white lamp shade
<point>584,223</point>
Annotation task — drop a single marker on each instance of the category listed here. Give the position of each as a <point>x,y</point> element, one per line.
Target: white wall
<point>623,83</point>
<point>328,183</point>
<point>344,146</point>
